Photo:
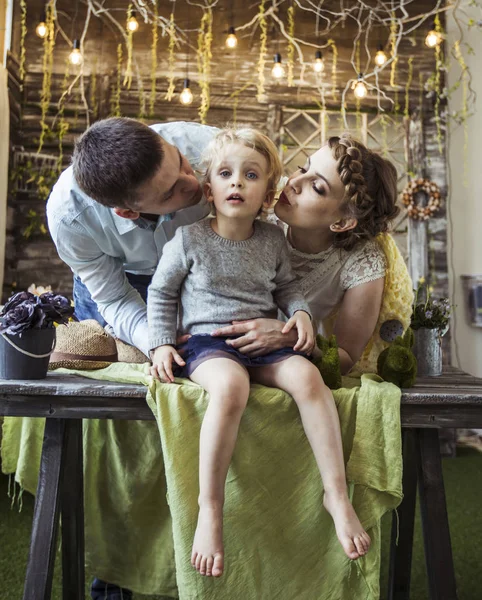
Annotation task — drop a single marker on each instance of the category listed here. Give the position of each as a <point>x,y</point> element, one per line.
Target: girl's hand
<point>162,358</point>
<point>301,320</point>
<point>257,337</point>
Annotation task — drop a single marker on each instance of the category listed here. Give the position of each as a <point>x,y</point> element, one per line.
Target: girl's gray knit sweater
<point>213,281</point>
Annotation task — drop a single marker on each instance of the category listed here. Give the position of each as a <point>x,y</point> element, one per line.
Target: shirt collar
<point>124,225</point>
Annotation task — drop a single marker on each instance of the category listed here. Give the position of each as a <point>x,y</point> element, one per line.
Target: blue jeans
<point>86,308</point>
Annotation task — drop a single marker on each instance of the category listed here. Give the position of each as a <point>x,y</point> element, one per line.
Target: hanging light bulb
<point>319,63</point>
<point>132,23</point>
<point>359,87</point>
<point>380,56</point>
<point>75,57</point>
<point>278,70</point>
<point>186,94</point>
<point>231,40</point>
<point>41,29</point>
<point>433,38</point>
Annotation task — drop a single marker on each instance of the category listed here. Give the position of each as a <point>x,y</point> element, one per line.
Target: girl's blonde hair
<point>370,189</point>
<point>251,138</point>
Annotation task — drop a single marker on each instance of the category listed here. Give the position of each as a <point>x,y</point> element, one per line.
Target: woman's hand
<point>258,336</point>
<point>162,358</point>
<point>301,320</point>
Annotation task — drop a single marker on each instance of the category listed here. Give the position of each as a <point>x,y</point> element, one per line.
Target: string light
<point>318,63</point>
<point>41,29</point>
<point>380,56</point>
<point>231,40</point>
<point>278,70</point>
<point>132,23</point>
<point>434,38</point>
<point>186,96</point>
<point>359,87</point>
<point>75,57</point>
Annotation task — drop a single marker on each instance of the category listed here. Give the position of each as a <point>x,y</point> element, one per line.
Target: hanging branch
<point>94,104</point>
<point>23,33</point>
<point>155,37</point>
<point>204,57</point>
<point>172,58</point>
<point>128,75</point>
<point>116,109</point>
<point>406,112</point>
<point>63,124</point>
<point>291,48</point>
<point>47,65</point>
<point>438,70</point>
<point>263,46</point>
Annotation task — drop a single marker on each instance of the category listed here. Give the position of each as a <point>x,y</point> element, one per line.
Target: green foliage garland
<point>172,58</point>
<point>263,47</point>
<point>155,37</point>
<point>204,57</point>
<point>47,64</point>
<point>23,33</point>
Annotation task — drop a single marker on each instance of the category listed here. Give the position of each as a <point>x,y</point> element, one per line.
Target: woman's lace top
<point>324,277</point>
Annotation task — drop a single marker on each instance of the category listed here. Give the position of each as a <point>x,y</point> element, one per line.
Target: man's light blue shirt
<point>100,246</point>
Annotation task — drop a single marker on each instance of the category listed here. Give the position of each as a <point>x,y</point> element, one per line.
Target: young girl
<point>232,267</point>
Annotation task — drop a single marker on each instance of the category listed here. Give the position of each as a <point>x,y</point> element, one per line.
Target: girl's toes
<point>360,545</point>
<point>209,566</point>
<point>203,565</point>
<point>193,559</point>
<point>218,566</point>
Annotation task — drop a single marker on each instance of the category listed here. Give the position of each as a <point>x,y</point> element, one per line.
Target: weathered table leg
<point>72,507</point>
<point>401,554</point>
<point>433,508</point>
<point>40,566</point>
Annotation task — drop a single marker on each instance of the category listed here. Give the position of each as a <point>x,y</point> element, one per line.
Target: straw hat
<point>87,345</point>
<point>129,354</point>
<point>83,345</point>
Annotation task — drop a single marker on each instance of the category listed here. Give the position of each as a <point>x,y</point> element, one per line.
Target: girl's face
<point>313,196</point>
<point>239,181</point>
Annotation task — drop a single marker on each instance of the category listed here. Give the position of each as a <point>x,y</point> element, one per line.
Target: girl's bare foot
<point>354,539</point>
<point>207,550</point>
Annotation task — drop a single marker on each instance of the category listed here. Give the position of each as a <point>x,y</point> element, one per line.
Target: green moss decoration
<point>329,362</point>
<point>397,363</point>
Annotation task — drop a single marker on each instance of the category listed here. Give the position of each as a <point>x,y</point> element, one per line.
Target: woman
<point>335,206</point>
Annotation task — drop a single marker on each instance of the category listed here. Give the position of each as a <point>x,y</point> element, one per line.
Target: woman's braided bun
<point>370,190</point>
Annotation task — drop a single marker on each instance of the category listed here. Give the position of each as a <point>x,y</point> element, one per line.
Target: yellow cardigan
<point>396,303</point>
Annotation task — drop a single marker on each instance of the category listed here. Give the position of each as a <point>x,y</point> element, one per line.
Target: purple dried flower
<point>428,314</point>
<point>18,319</point>
<point>28,311</point>
<point>18,299</point>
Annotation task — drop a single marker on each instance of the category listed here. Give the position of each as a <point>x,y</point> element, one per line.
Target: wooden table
<point>451,400</point>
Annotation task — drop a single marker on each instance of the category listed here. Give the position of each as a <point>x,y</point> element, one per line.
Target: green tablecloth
<point>280,543</point>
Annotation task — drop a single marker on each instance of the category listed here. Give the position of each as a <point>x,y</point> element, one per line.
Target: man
<point>128,189</point>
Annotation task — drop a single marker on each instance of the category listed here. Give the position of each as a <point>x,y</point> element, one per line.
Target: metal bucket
<point>428,350</point>
<point>26,356</point>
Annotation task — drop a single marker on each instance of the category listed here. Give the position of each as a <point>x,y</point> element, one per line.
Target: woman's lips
<point>283,199</point>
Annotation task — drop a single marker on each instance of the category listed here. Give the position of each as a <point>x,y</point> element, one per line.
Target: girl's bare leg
<point>302,380</point>
<point>227,383</point>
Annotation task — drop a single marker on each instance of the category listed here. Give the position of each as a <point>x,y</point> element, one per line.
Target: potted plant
<point>430,321</point>
<point>27,333</point>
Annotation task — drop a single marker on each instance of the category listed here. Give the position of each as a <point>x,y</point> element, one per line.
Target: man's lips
<point>283,199</point>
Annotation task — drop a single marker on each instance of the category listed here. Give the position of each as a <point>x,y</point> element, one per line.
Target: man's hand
<point>258,336</point>
<point>306,337</point>
<point>162,358</point>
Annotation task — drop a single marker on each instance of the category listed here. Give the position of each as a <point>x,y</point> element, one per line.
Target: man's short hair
<point>115,156</point>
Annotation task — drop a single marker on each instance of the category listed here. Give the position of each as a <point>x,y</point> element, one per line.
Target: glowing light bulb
<point>359,88</point>
<point>132,24</point>
<point>278,70</point>
<point>380,57</point>
<point>75,57</point>
<point>186,96</point>
<point>434,38</point>
<point>41,29</point>
<point>231,40</point>
<point>318,63</point>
